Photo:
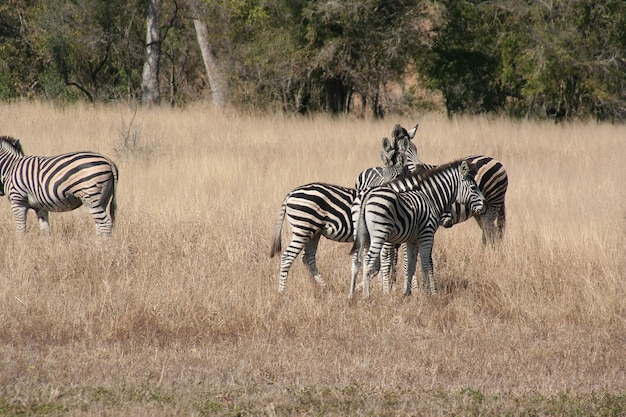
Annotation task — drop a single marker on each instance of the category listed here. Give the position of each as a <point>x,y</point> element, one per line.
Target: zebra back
<point>58,183</point>
<point>316,208</point>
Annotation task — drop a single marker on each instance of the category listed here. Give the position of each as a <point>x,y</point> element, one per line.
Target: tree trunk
<point>217,82</point>
<point>151,94</point>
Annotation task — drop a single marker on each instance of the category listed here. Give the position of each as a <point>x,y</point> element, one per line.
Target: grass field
<point>179,313</point>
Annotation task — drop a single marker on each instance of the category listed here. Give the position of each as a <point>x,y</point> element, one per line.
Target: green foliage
<point>361,46</point>
<point>517,58</point>
<point>463,62</point>
<point>530,58</point>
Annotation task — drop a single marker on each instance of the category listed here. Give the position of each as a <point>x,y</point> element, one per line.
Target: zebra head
<point>403,140</point>
<point>469,194</point>
<point>394,154</point>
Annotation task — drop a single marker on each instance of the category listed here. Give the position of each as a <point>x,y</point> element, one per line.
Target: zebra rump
<point>58,183</point>
<point>312,210</point>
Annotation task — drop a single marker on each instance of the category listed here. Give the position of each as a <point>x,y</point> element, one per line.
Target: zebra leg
<point>426,257</point>
<point>290,254</point>
<point>19,214</point>
<point>44,225</point>
<point>104,223</point>
<point>388,259</point>
<point>356,265</point>
<point>500,222</point>
<point>411,252</point>
<point>413,284</point>
<point>394,266</point>
<point>309,260</point>
<point>372,266</point>
<point>100,201</point>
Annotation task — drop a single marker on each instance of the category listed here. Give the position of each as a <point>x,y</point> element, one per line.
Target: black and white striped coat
<point>319,209</point>
<point>312,211</point>
<point>57,183</point>
<point>409,210</point>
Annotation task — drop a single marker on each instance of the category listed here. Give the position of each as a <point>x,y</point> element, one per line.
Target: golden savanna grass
<point>179,313</point>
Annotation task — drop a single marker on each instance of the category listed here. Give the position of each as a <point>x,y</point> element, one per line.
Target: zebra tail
<point>110,190</point>
<point>502,219</point>
<point>276,244</point>
<point>361,235</point>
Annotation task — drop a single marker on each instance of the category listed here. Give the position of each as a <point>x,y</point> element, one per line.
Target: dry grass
<point>180,315</point>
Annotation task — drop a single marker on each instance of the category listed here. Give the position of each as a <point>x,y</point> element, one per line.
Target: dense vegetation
<point>532,58</point>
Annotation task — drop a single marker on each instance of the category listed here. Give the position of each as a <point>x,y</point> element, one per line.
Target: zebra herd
<point>403,202</point>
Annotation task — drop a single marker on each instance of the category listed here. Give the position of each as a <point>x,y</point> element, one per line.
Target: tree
<point>77,48</point>
<point>151,93</point>
<point>463,62</point>
<point>362,46</point>
<point>212,65</point>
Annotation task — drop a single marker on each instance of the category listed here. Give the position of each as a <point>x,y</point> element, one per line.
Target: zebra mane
<point>424,172</point>
<point>12,145</point>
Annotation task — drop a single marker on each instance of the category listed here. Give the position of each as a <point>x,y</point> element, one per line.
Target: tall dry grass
<point>179,313</point>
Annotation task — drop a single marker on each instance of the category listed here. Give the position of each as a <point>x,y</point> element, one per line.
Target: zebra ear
<point>411,133</point>
<point>387,145</point>
<point>398,132</point>
<point>386,159</point>
<point>464,169</point>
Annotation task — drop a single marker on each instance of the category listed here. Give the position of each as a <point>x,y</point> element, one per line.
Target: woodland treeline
<point>521,58</point>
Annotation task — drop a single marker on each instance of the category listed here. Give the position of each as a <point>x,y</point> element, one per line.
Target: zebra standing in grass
<point>312,211</point>
<point>409,210</point>
<point>57,183</point>
<point>492,181</point>
<point>319,209</point>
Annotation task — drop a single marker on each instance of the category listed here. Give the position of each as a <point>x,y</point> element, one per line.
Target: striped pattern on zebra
<point>57,183</point>
<point>312,211</point>
<point>320,209</point>
<point>492,180</point>
<point>408,210</point>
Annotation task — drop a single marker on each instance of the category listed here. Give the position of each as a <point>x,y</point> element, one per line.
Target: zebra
<point>408,210</point>
<point>312,210</point>
<point>492,181</point>
<point>320,209</point>
<point>57,183</point>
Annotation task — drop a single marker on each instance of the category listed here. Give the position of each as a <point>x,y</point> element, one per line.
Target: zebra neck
<point>441,193</point>
<point>7,160</point>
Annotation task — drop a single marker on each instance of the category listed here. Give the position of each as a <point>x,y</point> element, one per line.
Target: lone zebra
<point>320,209</point>
<point>409,210</point>
<point>57,183</point>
